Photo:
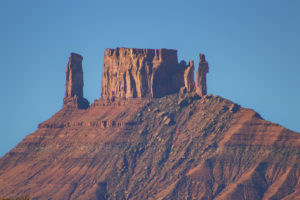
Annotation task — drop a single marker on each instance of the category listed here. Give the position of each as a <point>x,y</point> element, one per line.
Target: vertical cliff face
<point>201,87</point>
<point>130,73</point>
<point>74,83</point>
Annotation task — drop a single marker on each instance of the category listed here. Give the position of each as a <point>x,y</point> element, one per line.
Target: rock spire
<point>201,87</point>
<point>189,82</point>
<point>74,83</point>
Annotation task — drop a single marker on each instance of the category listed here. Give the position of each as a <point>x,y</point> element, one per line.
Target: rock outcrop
<point>131,73</point>
<point>189,82</point>
<point>201,87</point>
<point>74,83</point>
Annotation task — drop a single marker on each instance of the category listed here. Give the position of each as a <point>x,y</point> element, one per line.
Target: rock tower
<point>189,82</point>
<point>201,87</point>
<point>136,73</point>
<point>131,73</point>
<point>74,83</point>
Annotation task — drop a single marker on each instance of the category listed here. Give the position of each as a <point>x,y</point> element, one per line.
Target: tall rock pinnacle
<point>131,73</point>
<point>189,77</point>
<point>201,87</point>
<point>74,83</point>
<point>74,76</point>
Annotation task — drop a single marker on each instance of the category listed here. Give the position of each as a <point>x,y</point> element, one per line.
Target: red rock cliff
<point>130,73</point>
<point>74,83</point>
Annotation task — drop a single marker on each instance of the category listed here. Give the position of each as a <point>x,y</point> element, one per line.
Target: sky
<point>252,48</point>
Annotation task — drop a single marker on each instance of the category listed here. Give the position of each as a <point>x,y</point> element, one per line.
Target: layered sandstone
<point>131,73</point>
<point>74,83</point>
<point>201,87</point>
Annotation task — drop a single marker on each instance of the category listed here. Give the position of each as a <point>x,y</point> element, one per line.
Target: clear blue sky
<point>253,49</point>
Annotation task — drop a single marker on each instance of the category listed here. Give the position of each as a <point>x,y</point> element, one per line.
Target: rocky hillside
<point>185,145</point>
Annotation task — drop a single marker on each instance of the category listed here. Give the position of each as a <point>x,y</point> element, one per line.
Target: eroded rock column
<point>201,87</point>
<point>189,82</point>
<point>74,83</point>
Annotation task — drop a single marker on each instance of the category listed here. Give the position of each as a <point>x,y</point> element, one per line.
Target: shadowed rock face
<point>74,83</point>
<point>130,73</point>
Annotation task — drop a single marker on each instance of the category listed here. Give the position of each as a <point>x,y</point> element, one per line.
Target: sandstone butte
<point>153,134</point>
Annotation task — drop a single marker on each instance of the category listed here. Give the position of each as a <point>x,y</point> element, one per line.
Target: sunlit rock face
<point>201,87</point>
<point>131,73</point>
<point>189,82</point>
<point>74,83</point>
